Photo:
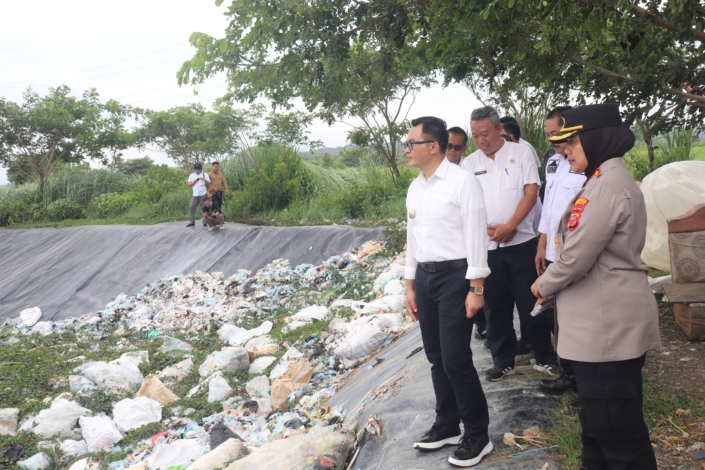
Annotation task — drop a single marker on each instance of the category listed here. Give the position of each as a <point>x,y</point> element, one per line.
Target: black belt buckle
<point>430,267</point>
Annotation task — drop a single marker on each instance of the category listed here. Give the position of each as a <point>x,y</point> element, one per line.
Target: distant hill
<point>333,149</point>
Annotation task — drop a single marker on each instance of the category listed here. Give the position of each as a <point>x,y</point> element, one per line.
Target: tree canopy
<point>646,55</point>
<point>42,132</point>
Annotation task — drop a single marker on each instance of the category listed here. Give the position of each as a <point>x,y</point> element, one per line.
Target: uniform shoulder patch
<point>576,212</point>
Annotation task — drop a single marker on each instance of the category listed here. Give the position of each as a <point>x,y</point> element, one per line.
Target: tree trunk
<point>393,159</point>
<point>648,140</point>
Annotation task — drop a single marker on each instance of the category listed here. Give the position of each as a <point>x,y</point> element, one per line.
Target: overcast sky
<point>131,50</point>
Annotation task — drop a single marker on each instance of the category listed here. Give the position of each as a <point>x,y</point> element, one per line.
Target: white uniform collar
<point>440,171</point>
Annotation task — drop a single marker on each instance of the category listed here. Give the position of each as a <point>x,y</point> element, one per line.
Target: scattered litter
<point>9,418</point>
<point>99,432</point>
<point>508,439</point>
<point>13,453</point>
<point>38,461</point>
<point>30,316</point>
<point>130,414</point>
<point>227,452</point>
<point>59,419</point>
<point>416,350</point>
<point>218,389</point>
<point>153,388</point>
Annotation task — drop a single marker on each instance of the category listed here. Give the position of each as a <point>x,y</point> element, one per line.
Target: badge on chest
<point>575,213</point>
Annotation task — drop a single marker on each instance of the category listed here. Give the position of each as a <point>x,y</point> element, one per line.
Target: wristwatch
<point>477,290</point>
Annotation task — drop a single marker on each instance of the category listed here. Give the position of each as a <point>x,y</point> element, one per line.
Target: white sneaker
<point>222,227</point>
<point>210,229</point>
<point>550,369</point>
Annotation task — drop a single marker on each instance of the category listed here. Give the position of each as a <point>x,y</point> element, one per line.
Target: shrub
<point>63,209</point>
<point>362,199</point>
<point>159,181</point>
<point>17,212</point>
<point>174,203</point>
<point>113,204</point>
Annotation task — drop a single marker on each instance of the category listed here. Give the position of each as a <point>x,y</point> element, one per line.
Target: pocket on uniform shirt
<point>440,207</point>
<point>513,176</point>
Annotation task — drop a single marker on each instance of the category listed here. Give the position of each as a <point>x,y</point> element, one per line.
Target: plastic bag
<point>30,316</point>
<point>59,419</point>
<point>112,376</point>
<point>325,447</point>
<point>38,461</point>
<point>8,420</point>
<point>153,388</point>
<point>309,314</point>
<point>260,364</point>
<point>228,359</point>
<point>366,340</point>
<point>174,344</point>
<point>130,414</point>
<point>78,383</point>
<point>218,389</point>
<point>670,191</point>
<point>243,336</point>
<point>181,452</point>
<point>221,433</point>
<point>291,356</point>
<point>219,457</point>
<point>259,386</point>
<point>73,448</point>
<point>99,432</point>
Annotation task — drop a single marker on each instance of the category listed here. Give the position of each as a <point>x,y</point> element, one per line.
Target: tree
<point>114,137</point>
<point>289,130</point>
<point>647,55</point>
<point>47,130</point>
<point>286,50</point>
<point>136,166</point>
<point>190,134</point>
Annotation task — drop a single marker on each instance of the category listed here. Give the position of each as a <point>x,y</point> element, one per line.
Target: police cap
<point>588,117</point>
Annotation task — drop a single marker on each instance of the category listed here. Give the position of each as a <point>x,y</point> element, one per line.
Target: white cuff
<point>410,273</point>
<point>477,273</point>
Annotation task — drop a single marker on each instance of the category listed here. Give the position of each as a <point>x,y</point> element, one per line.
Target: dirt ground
<point>677,373</point>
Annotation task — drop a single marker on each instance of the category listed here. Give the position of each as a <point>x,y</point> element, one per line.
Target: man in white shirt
<point>446,263</point>
<point>198,181</point>
<point>457,145</point>
<point>509,179</point>
<point>561,186</point>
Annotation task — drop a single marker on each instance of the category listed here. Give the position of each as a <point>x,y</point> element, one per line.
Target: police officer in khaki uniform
<point>607,318</point>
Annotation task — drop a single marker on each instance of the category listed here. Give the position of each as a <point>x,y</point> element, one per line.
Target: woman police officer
<point>606,314</point>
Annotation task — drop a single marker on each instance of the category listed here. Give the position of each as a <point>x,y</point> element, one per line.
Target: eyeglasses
<point>410,143</point>
<point>457,148</point>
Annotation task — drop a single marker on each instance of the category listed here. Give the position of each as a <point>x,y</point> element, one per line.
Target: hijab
<point>605,143</point>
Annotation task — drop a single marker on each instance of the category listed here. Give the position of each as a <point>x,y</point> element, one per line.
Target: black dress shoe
<point>191,225</point>
<point>564,383</point>
<point>481,334</point>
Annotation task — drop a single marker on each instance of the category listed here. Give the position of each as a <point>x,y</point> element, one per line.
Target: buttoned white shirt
<point>533,151</point>
<point>561,186</point>
<point>200,188</point>
<point>503,181</point>
<point>440,210</point>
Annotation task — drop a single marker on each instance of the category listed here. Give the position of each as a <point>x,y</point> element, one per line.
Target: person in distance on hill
<point>213,216</point>
<point>446,263</point>
<point>457,145</point>
<point>198,181</point>
<point>509,179</point>
<point>217,184</point>
<point>606,312</point>
<point>561,185</point>
<point>508,119</point>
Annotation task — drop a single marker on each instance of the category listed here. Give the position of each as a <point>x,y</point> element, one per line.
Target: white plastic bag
<point>38,461</point>
<point>315,312</point>
<point>182,452</point>
<point>112,376</point>
<point>8,420</point>
<point>30,316</point>
<point>670,191</point>
<point>72,448</point>
<point>229,360</point>
<point>366,340</point>
<point>218,389</point>
<point>59,419</point>
<point>227,452</point>
<point>99,432</point>
<point>301,451</point>
<point>130,414</point>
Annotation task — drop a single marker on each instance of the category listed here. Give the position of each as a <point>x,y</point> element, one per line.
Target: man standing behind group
<point>457,145</point>
<point>561,186</point>
<point>446,263</point>
<point>217,184</point>
<point>509,179</point>
<point>198,181</point>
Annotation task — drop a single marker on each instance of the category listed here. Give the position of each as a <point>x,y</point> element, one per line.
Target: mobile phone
<point>544,305</point>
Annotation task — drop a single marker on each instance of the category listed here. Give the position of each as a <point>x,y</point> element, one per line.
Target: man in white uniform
<point>446,266</point>
<point>198,181</point>
<point>509,179</point>
<point>561,186</point>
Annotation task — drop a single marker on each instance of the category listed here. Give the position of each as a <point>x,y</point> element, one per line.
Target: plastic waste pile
<point>278,345</point>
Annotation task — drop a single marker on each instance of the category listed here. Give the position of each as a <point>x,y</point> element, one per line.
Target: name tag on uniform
<point>477,173</point>
<point>552,167</point>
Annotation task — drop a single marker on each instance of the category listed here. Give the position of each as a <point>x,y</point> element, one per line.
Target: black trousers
<point>217,196</point>
<point>480,320</point>
<point>446,334</point>
<point>513,272</point>
<point>615,436</point>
